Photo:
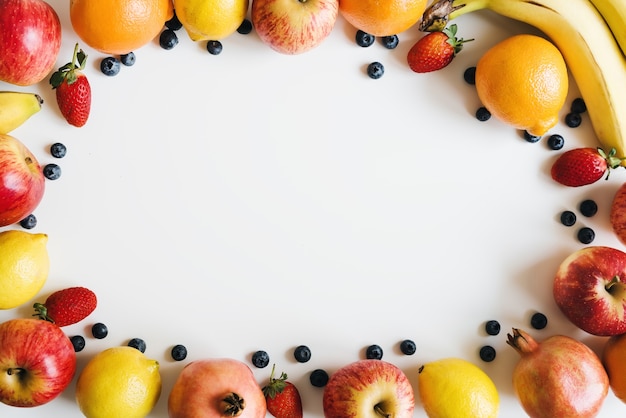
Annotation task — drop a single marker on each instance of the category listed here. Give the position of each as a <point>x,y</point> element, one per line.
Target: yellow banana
<point>614,13</point>
<point>16,108</point>
<point>586,42</point>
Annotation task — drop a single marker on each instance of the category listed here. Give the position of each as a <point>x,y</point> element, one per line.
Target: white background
<point>254,201</point>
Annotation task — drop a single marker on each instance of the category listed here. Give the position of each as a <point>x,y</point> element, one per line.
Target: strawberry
<point>73,90</point>
<point>582,166</point>
<point>435,50</point>
<point>282,397</point>
<point>67,306</point>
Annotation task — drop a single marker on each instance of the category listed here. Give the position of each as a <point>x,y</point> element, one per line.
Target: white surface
<point>257,201</point>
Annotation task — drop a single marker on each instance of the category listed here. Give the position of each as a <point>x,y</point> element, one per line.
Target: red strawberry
<point>582,166</point>
<point>67,306</point>
<point>435,50</point>
<point>73,90</point>
<point>282,397</point>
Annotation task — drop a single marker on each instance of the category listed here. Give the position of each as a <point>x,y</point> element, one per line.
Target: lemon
<point>24,266</point>
<point>118,382</point>
<point>210,19</point>
<point>456,388</point>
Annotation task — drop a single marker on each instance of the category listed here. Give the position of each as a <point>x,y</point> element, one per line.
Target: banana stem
<point>437,15</point>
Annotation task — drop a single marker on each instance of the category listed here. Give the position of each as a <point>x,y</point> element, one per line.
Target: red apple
<point>294,26</point>
<point>590,289</point>
<point>368,389</point>
<point>37,362</point>
<point>22,182</point>
<point>216,388</point>
<point>618,214</point>
<point>30,40</point>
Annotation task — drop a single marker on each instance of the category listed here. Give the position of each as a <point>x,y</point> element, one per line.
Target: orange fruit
<point>119,26</point>
<point>382,17</point>
<point>523,81</point>
<point>614,360</point>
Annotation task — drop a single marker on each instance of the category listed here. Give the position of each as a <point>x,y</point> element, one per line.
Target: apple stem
<point>379,410</point>
<point>14,370</point>
<point>610,285</point>
<point>232,405</point>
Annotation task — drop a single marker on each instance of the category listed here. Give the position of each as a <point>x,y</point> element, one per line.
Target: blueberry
<point>214,47</point>
<point>408,347</point>
<point>179,352</point>
<point>29,222</point>
<point>390,41</point>
<point>110,66</point>
<point>52,171</point>
<point>556,142</point>
<point>78,342</point>
<point>375,70</point>
<point>568,218</point>
<point>531,138</point>
<point>573,120</point>
<point>168,39</point>
<point>302,354</point>
<point>364,39</point>
<point>487,353</point>
<point>245,27</point>
<point>58,150</point>
<point>99,330</point>
<point>538,320</point>
<point>586,235</point>
<point>482,114</point>
<point>578,105</point>
<point>128,59</point>
<point>318,378</point>
<point>469,75</point>
<point>260,359</point>
<point>138,343</point>
<point>374,352</point>
<point>174,23</point>
<point>588,208</point>
<point>492,327</point>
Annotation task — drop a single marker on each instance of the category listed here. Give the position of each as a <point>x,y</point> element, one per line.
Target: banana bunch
<point>16,108</point>
<point>591,35</point>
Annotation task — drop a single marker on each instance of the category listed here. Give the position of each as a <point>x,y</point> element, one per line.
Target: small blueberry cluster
<point>487,353</point>
<point>587,208</point>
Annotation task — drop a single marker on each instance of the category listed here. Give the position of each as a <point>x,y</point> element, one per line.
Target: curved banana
<point>16,108</point>
<point>586,42</point>
<point>614,13</point>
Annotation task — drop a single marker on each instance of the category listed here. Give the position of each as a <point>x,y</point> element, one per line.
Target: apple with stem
<point>30,40</point>
<point>37,362</point>
<point>368,389</point>
<point>294,26</point>
<point>216,388</point>
<point>590,289</point>
<point>22,182</point>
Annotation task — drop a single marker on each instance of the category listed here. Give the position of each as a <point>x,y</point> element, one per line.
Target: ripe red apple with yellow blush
<point>590,289</point>
<point>618,214</point>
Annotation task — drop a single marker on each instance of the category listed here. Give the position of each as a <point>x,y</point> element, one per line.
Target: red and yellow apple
<point>590,290</point>
<point>22,181</point>
<point>618,214</point>
<point>216,388</point>
<point>37,362</point>
<point>368,389</point>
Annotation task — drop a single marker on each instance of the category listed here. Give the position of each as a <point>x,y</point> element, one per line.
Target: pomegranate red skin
<point>558,378</point>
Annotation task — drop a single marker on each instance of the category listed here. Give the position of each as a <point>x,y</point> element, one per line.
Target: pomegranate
<point>559,377</point>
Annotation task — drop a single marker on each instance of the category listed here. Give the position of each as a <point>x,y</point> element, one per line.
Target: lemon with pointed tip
<point>456,388</point>
<point>118,382</point>
<point>211,20</point>
<point>24,266</point>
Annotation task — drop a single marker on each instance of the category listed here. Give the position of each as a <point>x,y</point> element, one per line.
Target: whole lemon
<point>456,388</point>
<point>118,382</point>
<point>24,266</point>
<point>210,19</point>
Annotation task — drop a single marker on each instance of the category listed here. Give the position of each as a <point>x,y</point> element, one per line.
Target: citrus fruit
<point>523,82</point>
<point>456,388</point>
<point>613,359</point>
<point>211,19</point>
<point>118,382</point>
<point>382,17</point>
<point>24,266</point>
<point>119,26</point>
